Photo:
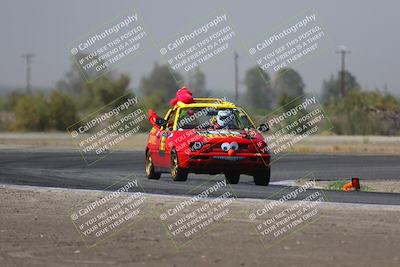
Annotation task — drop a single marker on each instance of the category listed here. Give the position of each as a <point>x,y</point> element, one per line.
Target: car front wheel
<point>262,177</point>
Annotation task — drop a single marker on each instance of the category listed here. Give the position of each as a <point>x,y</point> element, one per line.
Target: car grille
<point>216,147</point>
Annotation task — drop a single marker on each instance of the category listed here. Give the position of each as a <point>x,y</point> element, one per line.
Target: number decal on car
<point>161,152</point>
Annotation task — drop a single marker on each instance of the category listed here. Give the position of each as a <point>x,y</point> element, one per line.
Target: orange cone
<point>347,187</point>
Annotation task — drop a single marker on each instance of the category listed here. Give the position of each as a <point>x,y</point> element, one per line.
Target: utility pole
<point>343,50</point>
<point>28,57</point>
<point>236,56</point>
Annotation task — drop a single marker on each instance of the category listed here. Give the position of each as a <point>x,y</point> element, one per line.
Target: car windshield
<point>213,118</point>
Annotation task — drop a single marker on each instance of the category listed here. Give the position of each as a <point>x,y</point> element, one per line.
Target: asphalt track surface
<point>67,169</point>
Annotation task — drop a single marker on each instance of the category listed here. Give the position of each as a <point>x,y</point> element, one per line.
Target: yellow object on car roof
<point>207,102</point>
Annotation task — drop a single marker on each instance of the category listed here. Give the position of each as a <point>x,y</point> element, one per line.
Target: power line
<point>28,57</point>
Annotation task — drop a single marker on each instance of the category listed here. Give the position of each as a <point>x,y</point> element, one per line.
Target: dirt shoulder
<point>36,230</point>
<point>313,144</point>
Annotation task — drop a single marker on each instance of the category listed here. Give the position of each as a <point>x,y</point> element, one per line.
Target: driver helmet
<point>223,117</point>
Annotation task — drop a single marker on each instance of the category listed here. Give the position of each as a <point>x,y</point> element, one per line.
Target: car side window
<point>170,120</point>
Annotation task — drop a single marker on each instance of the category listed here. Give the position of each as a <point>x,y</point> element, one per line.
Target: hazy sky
<point>371,30</point>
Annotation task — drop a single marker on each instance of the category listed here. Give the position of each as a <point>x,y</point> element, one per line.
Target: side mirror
<point>264,127</point>
<point>161,122</point>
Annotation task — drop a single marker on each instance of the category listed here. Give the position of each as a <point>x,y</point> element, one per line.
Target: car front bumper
<point>221,162</point>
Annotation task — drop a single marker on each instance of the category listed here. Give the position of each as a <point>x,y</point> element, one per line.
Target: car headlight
<point>196,146</point>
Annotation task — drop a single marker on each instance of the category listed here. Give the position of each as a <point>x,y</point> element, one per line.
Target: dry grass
<point>312,144</point>
<point>387,186</point>
<point>349,144</point>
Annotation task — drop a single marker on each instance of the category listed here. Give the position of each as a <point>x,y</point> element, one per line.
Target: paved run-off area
<point>66,169</point>
<point>36,230</point>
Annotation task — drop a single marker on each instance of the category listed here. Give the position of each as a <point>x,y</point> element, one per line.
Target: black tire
<point>177,173</point>
<point>262,177</point>
<point>232,177</point>
<point>150,173</point>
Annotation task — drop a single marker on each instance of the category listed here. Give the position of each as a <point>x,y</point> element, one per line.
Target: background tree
<point>74,82</point>
<point>197,83</point>
<point>96,93</point>
<point>62,111</point>
<point>288,85</point>
<point>106,89</point>
<point>259,92</point>
<point>331,88</point>
<point>162,82</point>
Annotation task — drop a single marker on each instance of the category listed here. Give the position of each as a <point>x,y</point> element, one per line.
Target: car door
<point>164,150</point>
<point>154,143</point>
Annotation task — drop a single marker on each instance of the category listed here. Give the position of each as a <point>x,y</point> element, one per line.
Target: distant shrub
<point>365,113</point>
<point>31,113</point>
<point>62,111</point>
<point>37,112</point>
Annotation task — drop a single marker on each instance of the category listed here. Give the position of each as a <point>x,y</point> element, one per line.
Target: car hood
<point>222,133</point>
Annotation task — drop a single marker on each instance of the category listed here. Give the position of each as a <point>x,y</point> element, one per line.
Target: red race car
<point>210,136</point>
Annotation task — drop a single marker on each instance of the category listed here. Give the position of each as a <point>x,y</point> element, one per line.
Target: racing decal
<point>152,140</point>
<point>216,134</point>
<point>161,151</point>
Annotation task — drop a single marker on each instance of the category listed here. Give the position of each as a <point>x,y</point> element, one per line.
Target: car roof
<point>203,103</point>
